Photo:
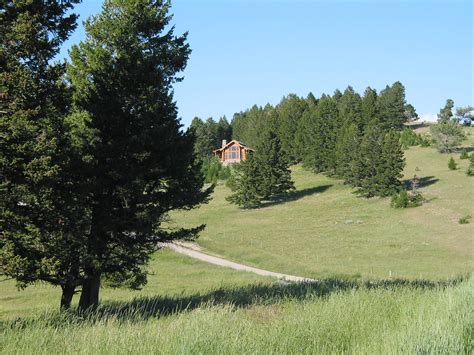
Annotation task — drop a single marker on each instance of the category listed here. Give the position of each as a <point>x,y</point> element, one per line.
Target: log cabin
<point>232,152</point>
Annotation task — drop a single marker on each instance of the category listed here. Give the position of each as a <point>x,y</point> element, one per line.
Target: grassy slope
<point>321,233</point>
<point>383,320</point>
<point>328,231</point>
<point>171,274</point>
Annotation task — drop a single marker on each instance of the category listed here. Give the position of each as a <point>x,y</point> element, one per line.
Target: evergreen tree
<point>368,155</point>
<point>247,126</point>
<point>391,107</point>
<point>245,184</point>
<point>224,130</point>
<point>264,174</point>
<point>349,108</point>
<point>446,113</point>
<point>410,113</point>
<point>452,164</point>
<point>470,169</point>
<point>390,167</point>
<point>465,114</point>
<point>337,95</point>
<point>317,135</point>
<point>274,168</point>
<point>347,146</point>
<point>369,105</point>
<point>290,109</point>
<point>42,220</point>
<point>447,135</point>
<point>311,100</point>
<point>379,163</point>
<point>141,163</point>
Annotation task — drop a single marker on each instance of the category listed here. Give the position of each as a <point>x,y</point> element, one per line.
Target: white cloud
<point>429,117</point>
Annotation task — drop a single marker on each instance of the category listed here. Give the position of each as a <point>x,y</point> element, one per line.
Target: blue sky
<point>252,52</point>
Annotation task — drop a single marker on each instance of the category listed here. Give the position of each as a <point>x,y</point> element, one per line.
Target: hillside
<point>328,317</point>
<point>323,230</point>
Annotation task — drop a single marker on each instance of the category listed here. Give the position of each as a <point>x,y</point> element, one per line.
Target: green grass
<point>328,317</point>
<point>324,230</point>
<point>171,274</point>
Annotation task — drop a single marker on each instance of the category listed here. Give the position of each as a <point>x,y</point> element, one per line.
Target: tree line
<point>346,135</point>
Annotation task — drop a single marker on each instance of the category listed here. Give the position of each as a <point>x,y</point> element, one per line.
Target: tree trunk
<point>66,297</point>
<point>90,292</point>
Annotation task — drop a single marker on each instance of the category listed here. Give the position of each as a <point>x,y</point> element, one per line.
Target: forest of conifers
<point>347,135</point>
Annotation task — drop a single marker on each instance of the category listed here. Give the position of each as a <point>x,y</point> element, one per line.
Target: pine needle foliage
<point>263,175</point>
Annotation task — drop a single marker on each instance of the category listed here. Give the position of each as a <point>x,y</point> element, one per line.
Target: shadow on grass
<point>141,309</point>
<point>422,181</point>
<point>294,195</point>
<point>459,150</point>
<point>260,294</point>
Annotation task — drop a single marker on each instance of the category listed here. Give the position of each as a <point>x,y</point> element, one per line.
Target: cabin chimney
<point>224,143</point>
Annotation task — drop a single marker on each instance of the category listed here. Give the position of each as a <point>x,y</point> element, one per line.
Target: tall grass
<point>328,317</point>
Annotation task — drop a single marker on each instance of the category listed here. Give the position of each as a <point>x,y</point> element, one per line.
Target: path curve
<point>236,266</point>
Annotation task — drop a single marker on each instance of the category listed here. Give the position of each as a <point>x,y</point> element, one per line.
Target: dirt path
<point>196,254</point>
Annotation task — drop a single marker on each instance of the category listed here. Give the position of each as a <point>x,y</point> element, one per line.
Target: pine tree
<point>452,164</point>
<point>446,113</point>
<point>367,159</point>
<point>391,107</point>
<point>245,184</point>
<point>379,163</point>
<point>42,220</point>
<point>247,125</point>
<point>346,150</point>
<point>263,175</point>
<point>274,168</point>
<point>224,130</point>
<point>447,135</point>
<point>324,139</point>
<point>390,167</point>
<point>290,110</point>
<point>368,106</point>
<point>141,163</point>
<point>206,137</point>
<point>470,169</point>
<point>349,108</point>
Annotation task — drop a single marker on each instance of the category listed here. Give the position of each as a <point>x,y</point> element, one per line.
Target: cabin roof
<point>233,141</point>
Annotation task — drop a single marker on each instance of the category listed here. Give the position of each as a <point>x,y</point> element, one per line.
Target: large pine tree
<point>290,109</point>
<point>42,217</point>
<point>391,106</point>
<point>141,164</point>
<point>369,105</point>
<point>379,163</point>
<point>346,149</point>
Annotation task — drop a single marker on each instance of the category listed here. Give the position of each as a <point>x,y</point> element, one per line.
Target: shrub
<point>452,164</point>
<point>405,200</point>
<point>470,169</point>
<point>409,138</point>
<point>425,140</point>
<point>400,200</point>
<point>447,135</point>
<point>464,220</point>
<point>213,170</point>
<point>464,154</point>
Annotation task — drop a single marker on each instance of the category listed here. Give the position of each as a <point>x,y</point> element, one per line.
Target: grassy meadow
<point>327,317</point>
<point>383,279</point>
<point>170,274</point>
<point>323,230</point>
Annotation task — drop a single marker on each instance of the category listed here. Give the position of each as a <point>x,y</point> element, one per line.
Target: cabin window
<point>233,152</point>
